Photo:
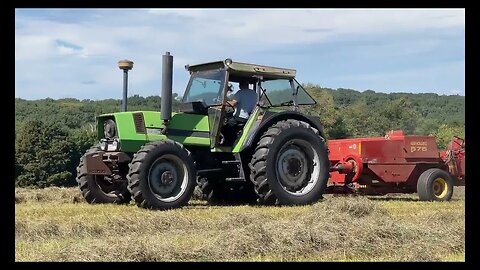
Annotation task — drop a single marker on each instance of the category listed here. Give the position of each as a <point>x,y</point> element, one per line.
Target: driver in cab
<point>244,102</point>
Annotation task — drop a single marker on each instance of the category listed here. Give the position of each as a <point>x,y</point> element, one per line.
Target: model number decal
<point>418,147</point>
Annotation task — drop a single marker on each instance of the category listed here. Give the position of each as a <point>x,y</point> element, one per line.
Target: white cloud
<point>400,80</point>
<point>63,50</point>
<point>32,47</point>
<point>192,36</point>
<point>187,12</point>
<point>290,26</point>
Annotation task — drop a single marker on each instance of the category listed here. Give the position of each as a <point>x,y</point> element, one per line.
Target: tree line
<point>51,135</point>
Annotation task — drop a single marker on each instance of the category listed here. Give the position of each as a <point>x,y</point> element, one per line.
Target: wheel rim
<point>440,188</point>
<point>168,178</point>
<point>297,167</point>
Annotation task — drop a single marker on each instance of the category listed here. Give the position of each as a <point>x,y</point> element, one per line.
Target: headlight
<point>103,145</point>
<point>109,129</point>
<point>106,145</point>
<point>114,146</point>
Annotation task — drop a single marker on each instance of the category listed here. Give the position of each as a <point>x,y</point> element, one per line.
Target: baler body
<point>383,165</point>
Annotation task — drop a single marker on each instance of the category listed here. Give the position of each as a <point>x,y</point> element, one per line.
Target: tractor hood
<point>147,121</point>
<point>143,126</point>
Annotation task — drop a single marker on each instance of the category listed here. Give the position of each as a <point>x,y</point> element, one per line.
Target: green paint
<point>248,126</point>
<point>131,141</point>
<point>251,69</point>
<point>276,110</point>
<point>182,121</point>
<point>246,129</point>
<point>131,146</point>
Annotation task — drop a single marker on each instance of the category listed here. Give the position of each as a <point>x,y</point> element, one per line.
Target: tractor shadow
<point>401,199</point>
<point>209,205</point>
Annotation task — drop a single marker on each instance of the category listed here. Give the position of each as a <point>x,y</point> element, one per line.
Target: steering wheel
<point>229,105</point>
<point>229,110</point>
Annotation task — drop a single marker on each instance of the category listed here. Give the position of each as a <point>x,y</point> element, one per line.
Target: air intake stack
<point>166,98</point>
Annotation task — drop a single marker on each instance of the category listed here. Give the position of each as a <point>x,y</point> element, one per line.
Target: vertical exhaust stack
<point>125,65</point>
<point>166,98</point>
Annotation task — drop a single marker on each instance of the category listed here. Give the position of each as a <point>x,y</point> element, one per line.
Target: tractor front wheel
<point>162,175</point>
<point>435,185</point>
<point>99,188</point>
<point>290,165</point>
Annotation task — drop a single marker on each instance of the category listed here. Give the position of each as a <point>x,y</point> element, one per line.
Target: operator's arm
<point>232,102</point>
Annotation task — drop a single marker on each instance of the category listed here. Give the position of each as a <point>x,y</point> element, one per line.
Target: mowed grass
<point>56,224</point>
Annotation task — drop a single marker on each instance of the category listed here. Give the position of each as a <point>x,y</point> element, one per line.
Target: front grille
<point>139,122</point>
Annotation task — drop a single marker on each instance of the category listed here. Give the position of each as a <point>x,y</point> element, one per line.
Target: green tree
<point>339,129</point>
<point>444,134</point>
<point>43,153</point>
<point>327,112</point>
<point>363,121</point>
<point>399,114</point>
<point>426,126</point>
<point>80,140</point>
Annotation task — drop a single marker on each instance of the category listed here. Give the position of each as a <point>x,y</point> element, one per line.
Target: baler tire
<point>264,164</point>
<point>92,191</point>
<point>432,179</point>
<point>145,185</point>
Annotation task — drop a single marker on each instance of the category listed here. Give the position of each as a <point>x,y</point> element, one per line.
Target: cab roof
<point>245,69</point>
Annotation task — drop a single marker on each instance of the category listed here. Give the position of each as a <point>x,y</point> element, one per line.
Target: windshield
<point>206,86</point>
<point>281,92</point>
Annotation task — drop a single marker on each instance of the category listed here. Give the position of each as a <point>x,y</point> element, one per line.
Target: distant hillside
<point>345,108</point>
<point>349,113</point>
<point>51,135</point>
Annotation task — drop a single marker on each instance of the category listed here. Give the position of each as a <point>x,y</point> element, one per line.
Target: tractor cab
<point>209,85</point>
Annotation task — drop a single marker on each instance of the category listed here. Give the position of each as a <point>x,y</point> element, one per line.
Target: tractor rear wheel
<point>290,165</point>
<point>99,188</point>
<point>162,175</point>
<point>435,185</point>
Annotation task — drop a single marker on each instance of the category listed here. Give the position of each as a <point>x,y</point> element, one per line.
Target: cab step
<point>235,179</point>
<point>231,162</point>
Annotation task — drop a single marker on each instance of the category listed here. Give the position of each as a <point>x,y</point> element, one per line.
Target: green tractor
<point>279,156</point>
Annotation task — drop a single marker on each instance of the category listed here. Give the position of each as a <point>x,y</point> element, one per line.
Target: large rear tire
<point>162,175</point>
<point>435,185</point>
<point>99,188</point>
<point>290,165</point>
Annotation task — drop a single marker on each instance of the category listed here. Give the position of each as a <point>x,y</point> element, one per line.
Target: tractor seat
<point>232,136</point>
<point>238,128</point>
<point>241,125</point>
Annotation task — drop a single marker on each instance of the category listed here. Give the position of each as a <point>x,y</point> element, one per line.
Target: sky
<point>73,53</point>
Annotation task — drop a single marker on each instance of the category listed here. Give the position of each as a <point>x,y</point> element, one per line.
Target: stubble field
<point>56,224</point>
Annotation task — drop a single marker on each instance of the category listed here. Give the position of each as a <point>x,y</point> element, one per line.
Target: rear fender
<point>270,118</point>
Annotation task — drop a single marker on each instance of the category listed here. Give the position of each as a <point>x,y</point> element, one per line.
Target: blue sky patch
<point>67,44</point>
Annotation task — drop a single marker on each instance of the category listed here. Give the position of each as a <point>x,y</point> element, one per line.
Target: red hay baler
<point>396,164</point>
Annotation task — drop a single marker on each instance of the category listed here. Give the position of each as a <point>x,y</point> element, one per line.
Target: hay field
<point>56,224</point>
